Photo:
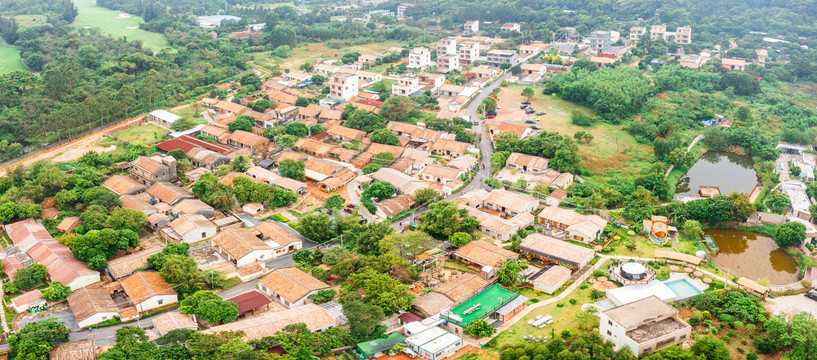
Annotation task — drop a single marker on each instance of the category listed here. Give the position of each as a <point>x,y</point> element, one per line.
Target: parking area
<point>64,316</point>
<point>792,305</point>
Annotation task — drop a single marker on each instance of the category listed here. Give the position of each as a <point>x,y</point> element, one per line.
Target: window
<point>609,333</point>
<point>160,301</point>
<point>610,322</point>
<point>203,235</point>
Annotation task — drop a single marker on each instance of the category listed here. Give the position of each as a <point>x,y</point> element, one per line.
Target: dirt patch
<point>122,16</point>
<point>76,153</point>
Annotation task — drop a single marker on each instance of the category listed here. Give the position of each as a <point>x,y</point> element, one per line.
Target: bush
<point>323,296</point>
<point>694,321</point>
<point>560,305</point>
<point>751,356</point>
<point>573,301</point>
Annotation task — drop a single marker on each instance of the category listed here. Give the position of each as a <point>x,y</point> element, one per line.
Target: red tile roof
<point>370,102</point>
<point>205,144</point>
<point>174,144</point>
<point>250,300</point>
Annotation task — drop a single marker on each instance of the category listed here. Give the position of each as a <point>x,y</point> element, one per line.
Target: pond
<point>728,171</point>
<point>753,255</point>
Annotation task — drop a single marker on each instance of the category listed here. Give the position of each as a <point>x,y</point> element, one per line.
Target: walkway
<point>689,148</point>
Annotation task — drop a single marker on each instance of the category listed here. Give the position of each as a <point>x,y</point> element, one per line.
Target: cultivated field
<point>117,24</point>
<point>310,52</point>
<point>611,148</point>
<point>10,59</point>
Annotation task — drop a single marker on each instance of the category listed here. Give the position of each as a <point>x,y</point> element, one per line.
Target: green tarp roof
<point>369,348</point>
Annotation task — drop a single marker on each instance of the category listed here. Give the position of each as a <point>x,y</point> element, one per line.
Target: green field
<point>25,21</point>
<point>117,24</point>
<point>146,134</point>
<point>10,59</point>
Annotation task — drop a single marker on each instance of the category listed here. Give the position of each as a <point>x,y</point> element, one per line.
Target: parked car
<point>530,111</point>
<point>523,106</point>
<point>530,121</point>
<point>811,295</point>
<point>535,118</point>
<point>541,113</point>
<point>490,116</point>
<point>492,112</point>
<point>534,127</point>
<point>525,102</point>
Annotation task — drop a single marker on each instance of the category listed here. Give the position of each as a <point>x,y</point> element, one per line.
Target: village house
<point>484,72</point>
<point>193,206</point>
<point>189,229</point>
<point>395,206</point>
<point>471,26</point>
<point>636,33</point>
<point>271,178</point>
<point>530,49</point>
<point>329,175</point>
<point>440,174</point>
<point>123,185</point>
<point>325,69</point>
<point>450,90</point>
<point>77,350</point>
<point>344,86</point>
<point>498,57</point>
<point>404,184</point>
<point>548,250</point>
<point>510,27</point>
<point>644,326</point>
<point>376,148</point>
<point>419,58</point>
<point>469,52</point>
<point>527,163</point>
<point>157,167</point>
<point>733,64</point>
<point>68,224</point>
<point>447,63</point>
<point>431,81</point>
<point>247,140</point>
<point>406,86</point>
<point>484,255</point>
<point>173,320</point>
<point>579,227</point>
<point>200,157</point>
<point>229,107</point>
<point>449,148</point>
<point>163,116</point>
<point>510,203</point>
<point>290,286</point>
<point>126,265</point>
<point>28,300</point>
<point>555,197</point>
<point>345,134</point>
<point>313,147</point>
<point>495,129</point>
<point>280,97</point>
<point>499,227</point>
<point>61,264</point>
<point>26,233</point>
<point>163,192</point>
<point>242,247</point>
<point>219,133</point>
<point>251,303</point>
<point>434,343</point>
<point>450,294</point>
<point>92,305</point>
<point>147,290</point>
<point>278,238</point>
<point>550,279</point>
<point>464,163</point>
<point>530,69</point>
<point>315,318</point>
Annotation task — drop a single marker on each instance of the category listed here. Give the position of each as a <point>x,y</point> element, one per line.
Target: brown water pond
<point>728,171</point>
<point>753,255</point>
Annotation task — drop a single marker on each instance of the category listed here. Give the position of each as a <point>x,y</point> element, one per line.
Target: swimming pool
<point>683,288</point>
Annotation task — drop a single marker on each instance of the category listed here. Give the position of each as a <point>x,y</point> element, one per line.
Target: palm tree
<point>510,272</point>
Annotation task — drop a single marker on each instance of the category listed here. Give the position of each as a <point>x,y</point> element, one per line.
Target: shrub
<point>694,321</point>
<point>565,334</point>
<point>560,305</point>
<point>573,301</point>
<point>751,356</point>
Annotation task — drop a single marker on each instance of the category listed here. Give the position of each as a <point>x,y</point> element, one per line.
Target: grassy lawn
<point>10,59</point>
<point>190,112</point>
<point>611,148</point>
<point>115,24</point>
<point>26,21</point>
<point>146,134</point>
<point>310,52</point>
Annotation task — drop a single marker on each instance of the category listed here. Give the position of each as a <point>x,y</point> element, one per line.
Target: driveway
<point>66,317</point>
<point>791,305</point>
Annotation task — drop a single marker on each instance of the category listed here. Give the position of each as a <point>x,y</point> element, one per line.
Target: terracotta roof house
<point>251,301</point>
<point>138,202</point>
<point>27,300</point>
<point>343,133</point>
<point>290,286</point>
<point>147,290</point>
<point>549,250</point>
<point>174,144</point>
<point>579,227</point>
<point>376,148</point>
<point>61,264</point>
<point>555,197</point>
<point>510,203</point>
<point>189,228</point>
<point>168,193</point>
<point>126,265</point>
<point>551,279</point>
<point>405,184</point>
<point>68,224</point>
<point>280,97</point>
<point>229,107</point>
<point>156,168</point>
<point>123,185</point>
<point>396,205</point>
<point>499,227</point>
<point>221,134</point>
<point>313,147</point>
<point>242,247</point>
<point>27,233</point>
<point>450,294</point>
<point>173,320</point>
<point>77,350</point>
<point>313,316</point>
<point>464,163</point>
<point>246,140</point>
<point>201,157</point>
<point>278,238</point>
<point>440,174</point>
<point>527,163</point>
<point>92,305</point>
<point>269,177</point>
<point>482,254</point>
<point>496,129</point>
<point>193,206</point>
<point>401,128</point>
<point>449,148</point>
<point>206,144</point>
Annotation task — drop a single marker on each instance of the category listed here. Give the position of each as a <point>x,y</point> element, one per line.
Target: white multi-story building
<point>446,63</point>
<point>498,57</point>
<point>401,9</point>
<point>469,51</point>
<point>644,326</point>
<point>419,58</point>
<point>637,32</point>
<point>406,85</point>
<point>683,35</point>
<point>658,32</point>
<point>344,86</point>
<point>511,27</point>
<point>600,40</point>
<point>471,26</point>
<point>447,46</point>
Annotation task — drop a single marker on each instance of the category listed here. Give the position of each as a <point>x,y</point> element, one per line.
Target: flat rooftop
<point>655,330</point>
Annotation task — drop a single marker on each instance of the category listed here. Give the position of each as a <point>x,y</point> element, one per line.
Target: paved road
<point>485,147</point>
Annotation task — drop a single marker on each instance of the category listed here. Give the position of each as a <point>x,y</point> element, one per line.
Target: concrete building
<point>511,27</point>
<point>637,33</point>
<point>447,63</point>
<point>406,85</point>
<point>469,52</point>
<point>290,286</point>
<point>147,290</point>
<point>600,40</point>
<point>498,57</point>
<point>433,344</point>
<point>683,35</point>
<point>658,32</point>
<point>149,170</point>
<point>242,247</point>
<point>163,116</point>
<point>471,26</point>
<point>344,86</point>
<point>189,229</point>
<point>419,58</point>
<point>643,326</point>
<point>447,46</point>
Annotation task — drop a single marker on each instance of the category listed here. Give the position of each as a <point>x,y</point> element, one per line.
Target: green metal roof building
<point>370,348</point>
<point>480,306</point>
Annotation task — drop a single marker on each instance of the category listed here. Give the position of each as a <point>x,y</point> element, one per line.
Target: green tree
<point>444,218</point>
<point>316,226</point>
<point>370,168</point>
<point>35,340</point>
<point>510,272</point>
<point>693,229</point>
<point>425,195</point>
<point>398,108</point>
<point>406,245</point>
<point>182,273</point>
<point>242,122</point>
<point>293,169</point>
<point>210,307</point>
<point>30,276</point>
<point>528,92</point>
<point>364,320</point>
<point>131,344</point>
<point>383,290</point>
<point>710,348</point>
<point>124,218</point>
<point>379,190</point>
<point>498,160</point>
<point>334,202</point>
<point>56,291</point>
<point>790,234</point>
<point>460,238</point>
<point>297,129</point>
<point>316,129</point>
<point>479,328</point>
<point>364,120</point>
<point>488,104</point>
<point>385,136</point>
